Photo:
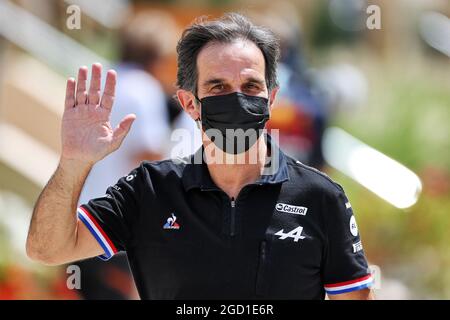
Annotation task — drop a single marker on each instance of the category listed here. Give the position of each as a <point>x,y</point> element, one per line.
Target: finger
<point>94,88</point>
<point>81,95</point>
<point>109,91</point>
<point>122,129</point>
<point>70,93</point>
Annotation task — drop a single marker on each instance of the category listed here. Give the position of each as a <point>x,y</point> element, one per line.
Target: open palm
<point>87,134</point>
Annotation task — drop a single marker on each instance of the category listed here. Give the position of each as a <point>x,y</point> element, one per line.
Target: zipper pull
<point>233,217</point>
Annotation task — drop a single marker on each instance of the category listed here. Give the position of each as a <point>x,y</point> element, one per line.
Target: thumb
<point>122,129</point>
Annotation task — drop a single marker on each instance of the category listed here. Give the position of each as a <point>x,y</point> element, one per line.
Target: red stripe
<point>347,282</point>
<point>100,229</point>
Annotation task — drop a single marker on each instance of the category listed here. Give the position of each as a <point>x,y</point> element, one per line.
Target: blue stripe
<point>363,286</point>
<point>104,257</point>
<point>107,254</point>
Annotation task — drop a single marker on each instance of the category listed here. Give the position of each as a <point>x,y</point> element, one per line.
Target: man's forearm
<point>53,227</point>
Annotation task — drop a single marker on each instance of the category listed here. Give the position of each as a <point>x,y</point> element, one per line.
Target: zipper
<point>233,217</point>
<point>233,202</point>
<point>261,282</point>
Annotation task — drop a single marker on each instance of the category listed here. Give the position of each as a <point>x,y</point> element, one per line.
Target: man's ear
<point>188,103</point>
<point>272,96</point>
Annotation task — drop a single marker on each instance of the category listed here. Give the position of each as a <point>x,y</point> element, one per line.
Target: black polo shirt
<point>289,235</point>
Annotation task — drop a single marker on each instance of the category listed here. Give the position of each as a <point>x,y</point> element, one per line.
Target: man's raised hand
<point>87,135</point>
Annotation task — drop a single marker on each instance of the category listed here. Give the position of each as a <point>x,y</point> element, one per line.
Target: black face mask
<point>234,121</point>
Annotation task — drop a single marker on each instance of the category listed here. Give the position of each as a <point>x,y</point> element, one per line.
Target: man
<point>236,221</point>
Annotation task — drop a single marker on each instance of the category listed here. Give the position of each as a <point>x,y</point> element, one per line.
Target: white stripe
<point>348,286</point>
<point>98,233</point>
<point>348,205</point>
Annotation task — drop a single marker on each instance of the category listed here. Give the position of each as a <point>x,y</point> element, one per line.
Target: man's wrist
<point>74,167</point>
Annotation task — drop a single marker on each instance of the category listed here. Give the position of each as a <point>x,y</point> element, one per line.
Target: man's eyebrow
<point>220,80</point>
<point>212,81</point>
<point>255,80</point>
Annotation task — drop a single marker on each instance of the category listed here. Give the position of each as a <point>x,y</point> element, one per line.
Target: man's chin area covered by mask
<point>235,149</point>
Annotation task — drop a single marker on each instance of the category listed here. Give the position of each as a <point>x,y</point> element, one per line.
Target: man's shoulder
<point>164,167</point>
<point>312,178</point>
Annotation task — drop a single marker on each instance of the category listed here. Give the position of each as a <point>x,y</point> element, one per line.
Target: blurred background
<point>365,97</point>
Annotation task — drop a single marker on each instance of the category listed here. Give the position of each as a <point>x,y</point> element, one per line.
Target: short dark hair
<point>230,27</point>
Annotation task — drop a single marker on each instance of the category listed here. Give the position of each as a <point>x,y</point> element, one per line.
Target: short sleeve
<point>345,266</point>
<point>112,218</point>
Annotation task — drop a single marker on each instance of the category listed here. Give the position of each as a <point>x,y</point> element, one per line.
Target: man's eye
<point>218,87</point>
<point>252,86</point>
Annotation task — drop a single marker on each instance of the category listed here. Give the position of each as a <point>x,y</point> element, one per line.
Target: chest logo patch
<point>171,223</point>
<point>288,208</point>
<point>295,234</point>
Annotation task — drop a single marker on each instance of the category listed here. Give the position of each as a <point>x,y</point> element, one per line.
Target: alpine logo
<point>288,208</point>
<point>171,223</point>
<point>295,234</point>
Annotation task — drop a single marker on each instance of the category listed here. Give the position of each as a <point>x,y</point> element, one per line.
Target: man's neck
<point>233,172</point>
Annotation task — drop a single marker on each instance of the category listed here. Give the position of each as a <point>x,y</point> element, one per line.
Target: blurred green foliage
<point>407,117</point>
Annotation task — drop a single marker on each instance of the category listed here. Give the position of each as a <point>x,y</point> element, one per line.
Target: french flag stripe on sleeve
<point>348,286</point>
<point>97,232</point>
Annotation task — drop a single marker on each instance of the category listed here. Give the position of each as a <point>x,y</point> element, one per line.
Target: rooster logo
<point>171,223</point>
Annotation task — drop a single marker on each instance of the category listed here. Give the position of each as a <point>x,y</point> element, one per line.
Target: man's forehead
<point>227,60</point>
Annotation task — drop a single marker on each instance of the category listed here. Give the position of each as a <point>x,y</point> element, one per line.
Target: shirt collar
<point>196,173</point>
